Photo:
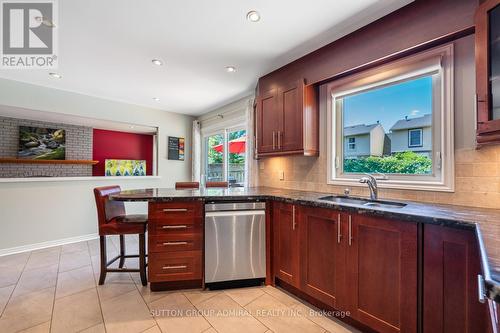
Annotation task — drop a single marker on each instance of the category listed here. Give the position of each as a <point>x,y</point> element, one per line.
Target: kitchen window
<point>395,122</point>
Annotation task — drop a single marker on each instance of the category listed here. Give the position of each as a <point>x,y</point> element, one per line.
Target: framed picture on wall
<point>41,143</point>
<point>176,148</point>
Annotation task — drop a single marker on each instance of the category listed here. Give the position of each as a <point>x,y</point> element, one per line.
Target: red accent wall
<point>121,146</point>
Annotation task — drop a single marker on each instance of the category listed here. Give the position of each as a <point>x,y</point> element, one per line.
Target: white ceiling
<point>106,47</point>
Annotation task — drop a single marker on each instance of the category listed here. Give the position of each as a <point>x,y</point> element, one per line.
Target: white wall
<point>36,212</point>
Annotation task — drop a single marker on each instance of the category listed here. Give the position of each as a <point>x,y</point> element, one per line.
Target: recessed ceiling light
<point>156,99</point>
<point>55,75</point>
<point>253,16</point>
<point>157,62</point>
<point>230,69</point>
<point>132,126</point>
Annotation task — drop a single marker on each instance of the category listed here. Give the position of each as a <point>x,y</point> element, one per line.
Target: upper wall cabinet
<point>488,72</point>
<point>287,120</point>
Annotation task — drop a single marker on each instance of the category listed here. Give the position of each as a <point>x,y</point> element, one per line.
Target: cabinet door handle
<point>274,140</point>
<point>175,243</point>
<point>174,226</point>
<point>350,230</point>
<point>279,140</point>
<point>475,111</point>
<point>293,218</point>
<point>174,267</point>
<point>339,229</point>
<point>480,289</point>
<point>171,210</point>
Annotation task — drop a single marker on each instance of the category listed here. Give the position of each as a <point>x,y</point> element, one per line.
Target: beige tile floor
<point>55,290</point>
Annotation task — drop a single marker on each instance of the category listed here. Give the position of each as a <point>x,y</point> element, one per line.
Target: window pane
<point>236,166</point>
<point>215,158</point>
<point>388,129</point>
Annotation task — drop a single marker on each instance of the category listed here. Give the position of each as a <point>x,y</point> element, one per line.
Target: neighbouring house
<point>412,134</point>
<point>365,140</point>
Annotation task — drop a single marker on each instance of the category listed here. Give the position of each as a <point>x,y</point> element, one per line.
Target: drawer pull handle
<point>174,226</point>
<point>170,210</point>
<point>175,243</point>
<point>175,267</point>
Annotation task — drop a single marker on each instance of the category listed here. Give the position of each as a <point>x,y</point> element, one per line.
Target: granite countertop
<point>485,222</point>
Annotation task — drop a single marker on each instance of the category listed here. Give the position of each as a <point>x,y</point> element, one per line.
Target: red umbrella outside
<point>236,146</point>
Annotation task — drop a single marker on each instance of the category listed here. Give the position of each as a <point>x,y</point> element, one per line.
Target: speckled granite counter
<point>485,222</point>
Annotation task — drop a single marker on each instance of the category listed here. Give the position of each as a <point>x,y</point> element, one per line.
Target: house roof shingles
<point>359,129</point>
<point>424,121</point>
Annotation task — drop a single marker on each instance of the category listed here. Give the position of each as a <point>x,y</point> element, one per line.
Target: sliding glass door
<point>225,156</point>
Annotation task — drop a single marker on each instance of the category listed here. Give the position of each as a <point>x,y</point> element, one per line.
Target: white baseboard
<point>43,245</point>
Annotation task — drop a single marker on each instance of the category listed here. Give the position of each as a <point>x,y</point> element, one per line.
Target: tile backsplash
<point>477,179</point>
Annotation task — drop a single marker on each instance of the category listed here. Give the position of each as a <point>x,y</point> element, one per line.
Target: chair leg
<point>104,262</point>
<point>142,259</point>
<point>122,251</point>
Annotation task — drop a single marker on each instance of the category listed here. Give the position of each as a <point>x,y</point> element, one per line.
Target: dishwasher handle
<point>235,213</point>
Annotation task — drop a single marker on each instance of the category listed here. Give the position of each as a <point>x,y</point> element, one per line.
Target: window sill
<point>397,184</point>
<point>67,179</point>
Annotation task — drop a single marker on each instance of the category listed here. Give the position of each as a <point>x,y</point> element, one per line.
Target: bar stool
<point>114,221</point>
<point>217,184</point>
<point>187,185</point>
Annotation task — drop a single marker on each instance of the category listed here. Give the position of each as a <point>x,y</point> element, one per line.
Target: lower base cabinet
<point>450,294</point>
<point>381,259</point>
<point>350,262</point>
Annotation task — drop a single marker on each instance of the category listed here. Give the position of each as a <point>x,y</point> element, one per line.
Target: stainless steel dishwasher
<point>235,242</point>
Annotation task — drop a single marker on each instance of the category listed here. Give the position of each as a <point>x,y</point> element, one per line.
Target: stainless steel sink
<point>363,202</point>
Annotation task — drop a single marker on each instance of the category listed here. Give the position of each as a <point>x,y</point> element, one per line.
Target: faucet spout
<point>372,185</point>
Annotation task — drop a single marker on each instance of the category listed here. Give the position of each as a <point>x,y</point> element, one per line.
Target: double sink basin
<point>362,202</point>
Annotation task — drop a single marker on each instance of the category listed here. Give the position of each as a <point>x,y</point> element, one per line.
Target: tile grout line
<point>15,285</point>
<point>209,323</point>
<point>95,287</point>
<point>55,290</point>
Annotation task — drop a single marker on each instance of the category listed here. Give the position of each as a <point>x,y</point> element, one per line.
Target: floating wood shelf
<point>26,161</point>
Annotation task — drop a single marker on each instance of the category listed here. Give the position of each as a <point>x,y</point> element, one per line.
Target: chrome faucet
<point>372,185</point>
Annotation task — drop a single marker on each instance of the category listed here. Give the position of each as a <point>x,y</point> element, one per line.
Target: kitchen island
<point>435,236</point>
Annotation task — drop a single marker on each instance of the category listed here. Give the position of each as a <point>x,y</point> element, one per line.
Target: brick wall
<point>78,147</point>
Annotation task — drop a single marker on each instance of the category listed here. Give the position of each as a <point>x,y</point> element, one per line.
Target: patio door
<point>224,156</point>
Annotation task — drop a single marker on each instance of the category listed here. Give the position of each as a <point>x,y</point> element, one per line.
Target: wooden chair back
<point>217,184</point>
<point>107,209</point>
<point>187,185</point>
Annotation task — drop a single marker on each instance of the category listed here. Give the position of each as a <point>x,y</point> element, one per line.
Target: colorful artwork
<point>125,168</point>
<point>42,143</point>
<point>176,148</point>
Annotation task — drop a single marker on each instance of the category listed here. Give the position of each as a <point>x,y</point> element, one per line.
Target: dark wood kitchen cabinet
<point>175,243</point>
<point>382,272</point>
<point>287,120</point>
<point>450,295</point>
<point>321,254</point>
<point>286,243</point>
<point>487,36</point>
<point>352,262</point>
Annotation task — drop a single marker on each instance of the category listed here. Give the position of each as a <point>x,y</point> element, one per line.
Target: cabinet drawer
<point>174,266</point>
<point>175,226</point>
<point>181,209</point>
<point>175,242</point>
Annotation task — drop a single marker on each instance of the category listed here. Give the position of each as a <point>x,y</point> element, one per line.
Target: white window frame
<point>438,60</point>
<point>223,128</point>
<point>421,141</point>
